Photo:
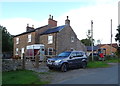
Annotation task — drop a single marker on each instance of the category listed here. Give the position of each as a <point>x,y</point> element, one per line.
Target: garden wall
<point>11,64</point>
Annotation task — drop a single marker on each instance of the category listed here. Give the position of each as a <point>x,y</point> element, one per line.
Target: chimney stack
<point>51,22</point>
<point>29,28</point>
<point>67,21</point>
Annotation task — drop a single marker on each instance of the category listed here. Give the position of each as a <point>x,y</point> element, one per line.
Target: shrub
<point>110,57</point>
<point>95,58</point>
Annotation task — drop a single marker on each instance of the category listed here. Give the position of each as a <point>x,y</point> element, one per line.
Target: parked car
<point>68,59</point>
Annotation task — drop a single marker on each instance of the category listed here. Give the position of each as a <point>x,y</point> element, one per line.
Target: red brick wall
<point>108,51</point>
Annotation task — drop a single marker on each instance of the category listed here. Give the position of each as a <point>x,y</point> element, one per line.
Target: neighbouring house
<point>108,48</point>
<point>105,48</point>
<point>55,38</point>
<point>89,49</point>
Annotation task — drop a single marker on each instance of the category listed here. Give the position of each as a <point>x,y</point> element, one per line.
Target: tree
<point>7,40</point>
<point>86,42</point>
<point>117,38</point>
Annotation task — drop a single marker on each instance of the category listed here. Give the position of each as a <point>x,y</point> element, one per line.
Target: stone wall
<point>11,64</point>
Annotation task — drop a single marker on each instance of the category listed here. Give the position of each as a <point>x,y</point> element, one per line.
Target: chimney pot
<point>52,17</point>
<point>49,16</point>
<point>27,25</point>
<point>67,17</point>
<point>32,26</point>
<point>67,21</point>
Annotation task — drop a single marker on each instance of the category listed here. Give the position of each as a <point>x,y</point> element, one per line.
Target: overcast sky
<point>16,15</point>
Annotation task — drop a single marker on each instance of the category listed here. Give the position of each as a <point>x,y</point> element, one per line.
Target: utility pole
<point>92,38</point>
<point>111,39</point>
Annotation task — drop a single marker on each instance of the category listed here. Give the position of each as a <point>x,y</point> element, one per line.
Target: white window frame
<point>50,39</point>
<point>50,51</point>
<point>16,51</point>
<point>17,40</point>
<point>72,39</point>
<point>22,51</point>
<point>29,38</point>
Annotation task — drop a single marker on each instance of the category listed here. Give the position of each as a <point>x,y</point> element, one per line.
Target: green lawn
<point>97,64</point>
<point>21,77</point>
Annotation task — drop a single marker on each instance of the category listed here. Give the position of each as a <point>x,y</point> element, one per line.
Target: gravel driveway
<point>54,76</point>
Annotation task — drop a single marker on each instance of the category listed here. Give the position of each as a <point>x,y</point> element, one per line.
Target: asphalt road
<point>95,76</point>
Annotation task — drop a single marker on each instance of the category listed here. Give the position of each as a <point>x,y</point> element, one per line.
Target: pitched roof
<point>113,45</point>
<point>53,30</point>
<point>33,30</point>
<point>89,48</point>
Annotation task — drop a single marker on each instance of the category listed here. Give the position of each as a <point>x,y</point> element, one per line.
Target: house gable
<point>108,49</point>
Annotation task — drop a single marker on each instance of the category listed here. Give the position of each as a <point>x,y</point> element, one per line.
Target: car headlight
<point>57,61</point>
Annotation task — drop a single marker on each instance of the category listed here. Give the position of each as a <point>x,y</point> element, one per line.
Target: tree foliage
<point>117,38</point>
<point>86,42</point>
<point>7,40</point>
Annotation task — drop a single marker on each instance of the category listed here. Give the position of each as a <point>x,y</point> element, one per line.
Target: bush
<point>110,57</point>
<point>95,58</point>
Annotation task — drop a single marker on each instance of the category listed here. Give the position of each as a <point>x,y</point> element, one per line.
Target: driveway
<point>81,76</point>
<point>90,76</point>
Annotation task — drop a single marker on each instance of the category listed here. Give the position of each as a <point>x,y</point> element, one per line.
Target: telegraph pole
<point>92,38</point>
<point>111,39</point>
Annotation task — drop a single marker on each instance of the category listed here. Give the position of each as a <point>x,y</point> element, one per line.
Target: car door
<point>72,60</point>
<point>79,57</point>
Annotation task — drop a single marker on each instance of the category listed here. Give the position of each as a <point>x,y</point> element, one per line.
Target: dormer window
<point>50,39</point>
<point>17,40</point>
<point>72,39</point>
<point>29,38</point>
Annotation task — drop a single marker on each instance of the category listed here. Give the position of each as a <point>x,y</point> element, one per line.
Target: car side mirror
<point>71,57</point>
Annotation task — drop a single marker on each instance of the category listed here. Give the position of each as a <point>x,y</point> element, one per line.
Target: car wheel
<point>50,68</point>
<point>84,64</point>
<point>64,67</point>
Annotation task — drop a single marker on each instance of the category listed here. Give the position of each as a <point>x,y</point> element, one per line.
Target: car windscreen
<point>64,54</point>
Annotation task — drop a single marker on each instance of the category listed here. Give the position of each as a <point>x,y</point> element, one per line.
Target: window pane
<point>17,40</point>
<point>78,54</point>
<point>29,38</point>
<point>50,51</point>
<point>16,51</point>
<point>50,39</point>
<point>73,54</point>
<point>22,50</point>
<point>72,39</point>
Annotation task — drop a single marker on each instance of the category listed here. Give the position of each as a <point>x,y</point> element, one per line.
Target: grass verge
<point>97,64</point>
<point>113,61</point>
<point>21,77</point>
